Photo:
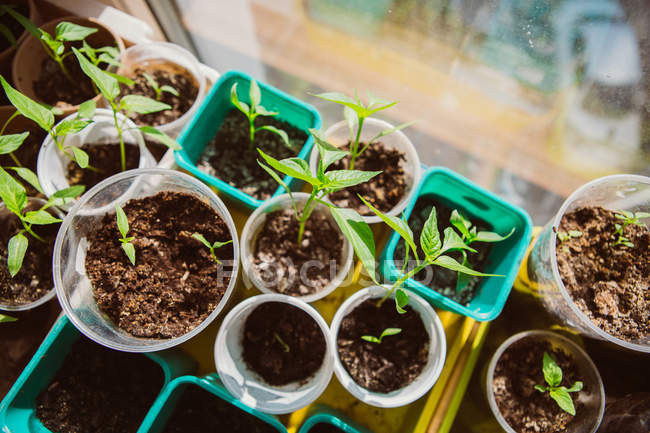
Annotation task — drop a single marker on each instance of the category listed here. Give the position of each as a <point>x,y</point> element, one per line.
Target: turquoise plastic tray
<point>328,416</point>
<point>164,405</point>
<point>205,124</point>
<point>474,202</point>
<point>18,409</point>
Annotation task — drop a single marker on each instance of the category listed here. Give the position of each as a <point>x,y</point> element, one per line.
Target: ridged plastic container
<point>505,258</point>
<point>202,128</point>
<point>253,227</point>
<point>18,409</point>
<point>436,356</point>
<point>74,289</point>
<point>330,417</point>
<point>339,135</point>
<point>589,417</point>
<point>617,192</point>
<point>246,385</point>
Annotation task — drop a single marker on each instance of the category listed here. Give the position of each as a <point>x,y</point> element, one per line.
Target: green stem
<point>59,60</point>
<point>12,117</point>
<point>251,129</point>
<point>11,154</point>
<point>401,280</point>
<point>306,213</point>
<point>28,229</point>
<point>119,134</point>
<point>355,145</point>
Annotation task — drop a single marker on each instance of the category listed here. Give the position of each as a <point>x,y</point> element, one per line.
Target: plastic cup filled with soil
<point>542,382</point>
<point>592,261</point>
<point>154,270</point>
<point>274,354</point>
<point>387,358</point>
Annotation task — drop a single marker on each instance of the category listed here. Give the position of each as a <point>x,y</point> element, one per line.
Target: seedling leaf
<point>450,263</point>
<point>360,235</point>
<point>122,221</point>
<point>563,399</point>
<point>41,217</point>
<point>11,142</point>
<point>492,237</point>
<point>401,300</point>
<point>129,250</point>
<point>28,176</point>
<point>66,31</point>
<point>552,372</point>
<point>142,104</point>
<point>107,85</point>
<point>28,107</point>
<point>430,238</point>
<point>17,248</point>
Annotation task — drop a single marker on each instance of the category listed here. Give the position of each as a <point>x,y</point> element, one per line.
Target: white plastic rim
<point>253,227</point>
<point>429,375</point>
<point>580,357</point>
<point>339,135</point>
<point>73,288</point>
<point>51,166</point>
<point>585,194</point>
<point>50,294</point>
<point>172,53</point>
<point>246,385</point>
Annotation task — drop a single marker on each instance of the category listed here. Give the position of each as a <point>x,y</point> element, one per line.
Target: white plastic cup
<point>617,192</point>
<point>429,375</point>
<point>589,417</point>
<point>74,289</point>
<point>34,244</point>
<point>254,226</point>
<point>246,385</point>
<point>52,164</point>
<point>339,135</point>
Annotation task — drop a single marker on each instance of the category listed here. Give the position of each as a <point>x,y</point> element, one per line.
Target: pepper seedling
<point>6,319</point>
<point>157,88</point>
<point>284,345</point>
<point>211,247</point>
<point>553,377</point>
<point>355,113</point>
<point>254,110</point>
<point>627,218</point>
<point>108,55</point>
<point>123,227</point>
<point>565,236</point>
<point>387,332</point>
<point>14,197</point>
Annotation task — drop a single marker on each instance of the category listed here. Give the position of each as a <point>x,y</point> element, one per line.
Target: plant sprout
<point>14,197</point>
<point>565,236</point>
<point>553,377</point>
<point>157,88</point>
<point>254,110</point>
<point>627,218</point>
<point>6,319</point>
<point>211,247</point>
<point>355,113</point>
<point>123,227</point>
<point>108,55</point>
<point>284,345</point>
<point>387,332</point>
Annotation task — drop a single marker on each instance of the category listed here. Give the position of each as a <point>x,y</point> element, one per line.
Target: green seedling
<point>627,218</point>
<point>387,332</point>
<point>104,55</point>
<point>6,319</point>
<point>4,30</point>
<point>214,246</point>
<point>553,377</point>
<point>350,222</point>
<point>123,227</point>
<point>108,86</point>
<point>355,113</point>
<point>434,248</point>
<point>14,197</point>
<point>254,110</point>
<point>284,345</point>
<point>565,236</point>
<point>9,143</point>
<point>157,88</point>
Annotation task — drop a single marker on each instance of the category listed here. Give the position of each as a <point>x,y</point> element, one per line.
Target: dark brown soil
<point>383,191</point>
<point>268,329</point>
<point>158,150</point>
<point>27,154</point>
<point>20,339</point>
<point>167,75</point>
<point>325,428</point>
<point>230,158</point>
<point>34,280</point>
<point>106,159</point>
<point>610,284</point>
<point>517,372</point>
<point>175,283</point>
<point>16,29</point>
<point>440,279</point>
<point>54,88</point>
<point>278,259</point>
<point>199,411</point>
<point>394,363</point>
<point>99,390</point>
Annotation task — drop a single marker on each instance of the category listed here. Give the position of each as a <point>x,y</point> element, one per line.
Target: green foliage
<point>387,332</point>
<point>123,227</point>
<point>157,88</point>
<point>627,218</point>
<point>355,113</point>
<point>553,377</point>
<point>211,246</point>
<point>284,345</point>
<point>565,236</point>
<point>5,319</point>
<point>107,55</point>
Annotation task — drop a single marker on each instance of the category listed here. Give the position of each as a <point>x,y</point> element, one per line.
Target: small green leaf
<point>275,176</point>
<point>352,120</point>
<point>28,107</point>
<point>449,263</point>
<point>28,176</point>
<point>562,236</point>
<point>8,34</point>
<point>563,399</point>
<point>264,112</point>
<point>109,60</point>
<point>339,98</point>
<point>202,239</point>
<point>24,21</point>
<point>151,81</point>
<point>6,319</point>
<point>17,249</point>
<point>66,31</point>
<point>461,223</point>
<point>70,192</point>
<point>391,130</point>
<point>294,167</point>
<point>389,331</point>
<point>575,387</point>
<point>169,89</point>
<point>463,279</point>
<point>142,104</point>
<point>360,235</point>
<point>642,215</point>
<point>11,142</point>
<point>12,193</point>
<point>71,126</point>
<point>88,51</point>
<point>573,233</point>
<point>492,237</point>
<point>217,244</point>
<point>87,109</point>
<point>430,237</point>
<point>624,214</point>
<point>454,242</point>
<point>165,139</point>
<point>401,300</point>
<point>283,135</point>
<point>129,250</point>
<point>241,106</point>
<point>41,217</point>
<point>107,85</point>
<point>329,154</point>
<point>552,372</point>
<point>540,388</point>
<point>339,179</point>
<point>80,156</point>
<point>370,339</point>
<point>121,79</point>
<point>122,221</point>
<point>255,95</point>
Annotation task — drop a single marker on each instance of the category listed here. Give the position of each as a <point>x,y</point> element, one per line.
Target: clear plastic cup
<point>154,52</point>
<point>38,202</point>
<point>51,166</point>
<point>74,289</point>
<point>589,417</point>
<point>617,192</point>
<point>253,227</point>
<point>246,385</point>
<point>339,135</point>
<point>431,371</point>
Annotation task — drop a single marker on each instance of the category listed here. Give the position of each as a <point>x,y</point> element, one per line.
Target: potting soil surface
<point>27,154</point>
<point>282,343</point>
<point>395,362</point>
<point>99,390</point>
<point>105,160</point>
<point>609,283</point>
<point>175,283</point>
<point>54,88</point>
